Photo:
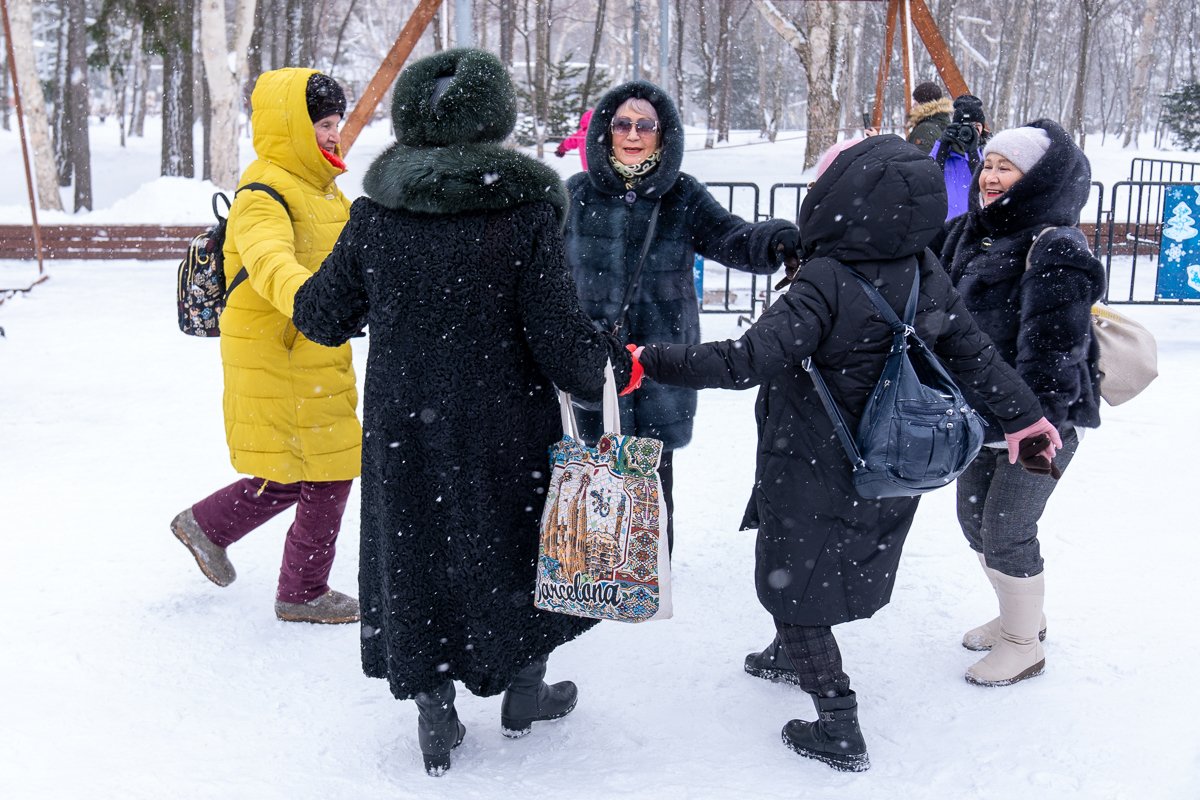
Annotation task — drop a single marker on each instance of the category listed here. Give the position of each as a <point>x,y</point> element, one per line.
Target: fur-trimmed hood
<point>1053,192</point>
<point>933,108</point>
<point>449,110</point>
<point>599,142</point>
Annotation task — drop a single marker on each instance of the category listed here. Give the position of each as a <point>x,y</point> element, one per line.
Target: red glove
<point>637,373</point>
<point>1041,426</point>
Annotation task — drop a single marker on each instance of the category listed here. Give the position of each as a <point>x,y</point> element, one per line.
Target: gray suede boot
<point>331,608</point>
<point>209,557</point>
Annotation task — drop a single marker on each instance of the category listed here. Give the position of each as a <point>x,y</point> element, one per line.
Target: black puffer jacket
<point>825,555</point>
<point>455,260</point>
<point>1040,319</point>
<point>606,227</point>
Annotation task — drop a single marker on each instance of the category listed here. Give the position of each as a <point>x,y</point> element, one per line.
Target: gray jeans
<point>999,505</point>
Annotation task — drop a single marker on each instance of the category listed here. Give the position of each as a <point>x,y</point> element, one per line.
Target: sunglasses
<point>622,126</point>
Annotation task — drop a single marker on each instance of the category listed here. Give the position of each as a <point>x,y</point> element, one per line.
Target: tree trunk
<point>4,91</point>
<point>1141,74</point>
<point>680,18</point>
<point>508,27</point>
<point>299,47</point>
<point>541,72</point>
<point>178,113</point>
<point>61,121</point>
<point>137,114</point>
<point>223,85</point>
<point>33,104</point>
<point>1085,41</point>
<point>725,65</point>
<point>77,100</point>
<point>1002,110</point>
<point>597,36</point>
<point>708,58</point>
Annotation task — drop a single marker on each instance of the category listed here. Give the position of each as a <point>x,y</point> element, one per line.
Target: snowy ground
<point>127,674</point>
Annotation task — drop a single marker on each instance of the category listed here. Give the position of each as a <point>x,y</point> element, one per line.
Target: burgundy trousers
<point>230,513</point>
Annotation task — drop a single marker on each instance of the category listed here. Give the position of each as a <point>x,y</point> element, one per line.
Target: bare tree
<point>33,104</point>
<point>597,36</point>
<point>224,80</point>
<point>1093,13</point>
<point>1141,71</point>
<point>78,148</point>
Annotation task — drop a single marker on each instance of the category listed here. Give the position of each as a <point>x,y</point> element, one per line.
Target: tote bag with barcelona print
<point>603,551</point>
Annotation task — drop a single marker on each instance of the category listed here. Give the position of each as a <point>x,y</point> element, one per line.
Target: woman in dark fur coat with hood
<point>1028,278</point>
<point>634,151</point>
<point>455,260</point>
<point>824,554</point>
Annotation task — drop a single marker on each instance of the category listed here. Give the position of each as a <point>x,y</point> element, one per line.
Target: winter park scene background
<point>127,674</point>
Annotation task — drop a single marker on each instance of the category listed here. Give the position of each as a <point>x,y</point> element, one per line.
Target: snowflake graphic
<point>1197,190</point>
<point>1175,252</point>
<point>1176,193</point>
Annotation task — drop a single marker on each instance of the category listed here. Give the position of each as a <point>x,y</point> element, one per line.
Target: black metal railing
<point>1161,170</point>
<point>1132,241</point>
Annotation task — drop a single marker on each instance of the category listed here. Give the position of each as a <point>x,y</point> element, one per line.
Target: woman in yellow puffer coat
<point>289,403</point>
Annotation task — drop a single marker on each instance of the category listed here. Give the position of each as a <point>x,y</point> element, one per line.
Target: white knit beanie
<point>1024,147</point>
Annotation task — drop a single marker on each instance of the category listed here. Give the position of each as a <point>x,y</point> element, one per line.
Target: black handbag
<point>917,432</point>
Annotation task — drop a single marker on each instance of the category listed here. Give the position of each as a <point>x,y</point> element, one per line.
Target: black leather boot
<point>834,738</point>
<point>529,699</point>
<point>772,664</point>
<point>438,728</point>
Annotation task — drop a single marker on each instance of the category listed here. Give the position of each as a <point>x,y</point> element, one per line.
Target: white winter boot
<point>1017,654</point>
<point>984,637</point>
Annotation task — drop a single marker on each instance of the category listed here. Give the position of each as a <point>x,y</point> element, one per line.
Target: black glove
<point>787,243</point>
<point>559,151</point>
<point>1031,456</point>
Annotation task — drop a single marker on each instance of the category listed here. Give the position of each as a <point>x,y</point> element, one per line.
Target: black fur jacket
<point>1040,318</point>
<point>606,227</point>
<point>455,260</point>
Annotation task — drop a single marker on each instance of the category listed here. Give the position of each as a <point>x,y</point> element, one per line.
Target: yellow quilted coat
<point>289,403</point>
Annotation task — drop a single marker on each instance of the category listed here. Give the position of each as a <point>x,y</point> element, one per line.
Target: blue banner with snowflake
<point>1179,256</point>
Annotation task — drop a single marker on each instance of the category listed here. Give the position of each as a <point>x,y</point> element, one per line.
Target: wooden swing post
<point>914,14</point>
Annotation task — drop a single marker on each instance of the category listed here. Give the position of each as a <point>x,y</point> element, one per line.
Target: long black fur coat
<point>825,555</point>
<point>606,227</point>
<point>1040,319</point>
<point>456,263</point>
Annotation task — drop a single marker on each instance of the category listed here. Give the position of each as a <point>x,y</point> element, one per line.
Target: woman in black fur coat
<point>455,260</point>
<point>634,152</point>
<point>1029,279</point>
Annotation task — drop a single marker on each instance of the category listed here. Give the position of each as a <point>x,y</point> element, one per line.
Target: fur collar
<point>461,178</point>
<point>924,111</point>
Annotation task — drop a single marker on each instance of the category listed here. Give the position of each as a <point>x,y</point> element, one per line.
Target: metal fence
<point>1126,235</point>
<point>1163,171</point>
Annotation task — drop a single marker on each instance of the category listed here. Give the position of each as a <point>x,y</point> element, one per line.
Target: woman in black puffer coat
<point>455,260</point>
<point>1034,301</point>
<point>630,170</point>
<point>824,554</point>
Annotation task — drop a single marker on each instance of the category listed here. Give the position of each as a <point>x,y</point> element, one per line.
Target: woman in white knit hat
<point>1029,279</point>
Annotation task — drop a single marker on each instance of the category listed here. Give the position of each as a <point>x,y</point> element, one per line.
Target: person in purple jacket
<point>957,152</point>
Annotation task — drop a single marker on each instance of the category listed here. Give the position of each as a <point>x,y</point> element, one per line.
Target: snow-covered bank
<point>127,674</point>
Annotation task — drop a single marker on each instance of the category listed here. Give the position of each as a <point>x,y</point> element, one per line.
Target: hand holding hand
<point>637,373</point>
<point>787,243</point>
<point>1042,426</point>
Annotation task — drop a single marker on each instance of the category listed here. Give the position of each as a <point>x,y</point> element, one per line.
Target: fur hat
<point>833,152</point>
<point>927,92</point>
<point>460,96</point>
<point>1024,147</point>
<point>324,97</point>
<point>968,108</point>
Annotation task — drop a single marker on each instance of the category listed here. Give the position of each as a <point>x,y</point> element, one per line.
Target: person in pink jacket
<point>576,139</point>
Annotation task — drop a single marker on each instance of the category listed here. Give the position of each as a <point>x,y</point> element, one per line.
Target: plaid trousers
<point>816,658</point>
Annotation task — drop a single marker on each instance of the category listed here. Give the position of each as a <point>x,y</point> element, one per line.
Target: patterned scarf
<point>634,174</point>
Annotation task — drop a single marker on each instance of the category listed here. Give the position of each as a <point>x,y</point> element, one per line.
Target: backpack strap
<point>900,330</point>
<point>253,187</point>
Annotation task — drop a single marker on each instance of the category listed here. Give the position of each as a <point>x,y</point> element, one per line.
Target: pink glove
<point>636,374</point>
<point>1041,426</point>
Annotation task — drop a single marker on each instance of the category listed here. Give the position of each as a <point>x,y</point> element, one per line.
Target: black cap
<point>968,108</point>
<point>927,92</point>
<point>324,97</point>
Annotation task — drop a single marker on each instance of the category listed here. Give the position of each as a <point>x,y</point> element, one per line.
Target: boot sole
<point>850,763</point>
<point>182,537</point>
<point>777,675</point>
<point>437,765</point>
<point>1032,672</point>
<point>984,648</point>
<point>318,621</point>
<point>515,729</point>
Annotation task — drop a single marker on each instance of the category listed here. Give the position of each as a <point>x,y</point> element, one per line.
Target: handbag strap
<point>637,271</point>
<point>839,422</point>
<point>612,411</point>
<point>1036,239</point>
